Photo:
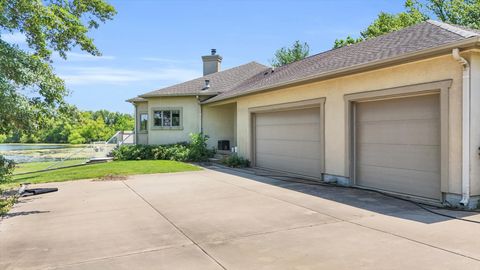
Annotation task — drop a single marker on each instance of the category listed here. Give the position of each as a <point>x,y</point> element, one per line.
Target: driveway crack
<point>175,226</point>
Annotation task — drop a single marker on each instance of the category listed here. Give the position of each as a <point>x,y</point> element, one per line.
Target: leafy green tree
<point>461,12</point>
<point>285,55</point>
<point>386,23</point>
<point>76,138</point>
<point>48,25</point>
<point>345,42</point>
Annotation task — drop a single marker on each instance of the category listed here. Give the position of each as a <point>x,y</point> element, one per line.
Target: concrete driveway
<point>217,220</point>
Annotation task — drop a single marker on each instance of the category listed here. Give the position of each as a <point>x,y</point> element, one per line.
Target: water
<point>22,153</point>
<point>17,147</point>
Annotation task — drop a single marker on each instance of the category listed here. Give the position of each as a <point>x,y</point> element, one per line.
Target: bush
<point>196,150</point>
<point>235,161</point>
<point>6,169</point>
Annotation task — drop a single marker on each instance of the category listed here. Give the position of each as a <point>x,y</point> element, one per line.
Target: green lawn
<point>101,170</point>
<point>36,166</point>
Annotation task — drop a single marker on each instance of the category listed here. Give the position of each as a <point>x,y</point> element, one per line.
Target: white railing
<point>92,151</point>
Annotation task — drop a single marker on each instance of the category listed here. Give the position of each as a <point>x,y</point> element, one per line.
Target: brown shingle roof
<point>136,99</point>
<point>414,39</point>
<point>220,82</point>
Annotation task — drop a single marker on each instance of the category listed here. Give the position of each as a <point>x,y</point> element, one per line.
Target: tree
<point>461,12</point>
<point>30,92</point>
<point>386,23</point>
<point>345,42</point>
<point>285,55</point>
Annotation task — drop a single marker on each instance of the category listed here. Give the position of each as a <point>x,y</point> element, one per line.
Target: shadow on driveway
<point>363,199</point>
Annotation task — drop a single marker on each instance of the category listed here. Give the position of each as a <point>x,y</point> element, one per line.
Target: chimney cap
<point>214,51</point>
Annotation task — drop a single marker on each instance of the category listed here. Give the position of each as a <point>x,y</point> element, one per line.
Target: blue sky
<point>152,44</point>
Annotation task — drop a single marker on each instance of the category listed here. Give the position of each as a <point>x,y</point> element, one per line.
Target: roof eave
<point>181,95</point>
<point>473,41</point>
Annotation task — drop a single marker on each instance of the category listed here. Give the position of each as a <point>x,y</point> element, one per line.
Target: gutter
<point>466,88</point>
<point>473,41</point>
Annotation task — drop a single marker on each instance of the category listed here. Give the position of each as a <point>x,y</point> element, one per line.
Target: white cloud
<point>120,76</point>
<point>17,38</point>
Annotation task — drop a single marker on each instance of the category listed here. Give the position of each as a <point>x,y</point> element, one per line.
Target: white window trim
<point>152,121</point>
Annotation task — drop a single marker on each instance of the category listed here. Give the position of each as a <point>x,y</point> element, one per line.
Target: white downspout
<point>465,127</point>
<point>200,114</point>
<point>135,131</point>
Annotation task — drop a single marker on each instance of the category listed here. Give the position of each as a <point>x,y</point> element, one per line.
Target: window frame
<point>171,109</point>
<point>140,130</point>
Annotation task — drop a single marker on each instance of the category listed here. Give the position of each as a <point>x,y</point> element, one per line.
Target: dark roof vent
<point>207,85</point>
<point>214,51</point>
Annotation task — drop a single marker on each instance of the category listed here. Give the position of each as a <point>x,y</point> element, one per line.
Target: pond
<point>15,147</point>
<point>21,153</point>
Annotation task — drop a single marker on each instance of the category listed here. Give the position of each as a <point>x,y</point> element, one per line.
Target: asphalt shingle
<point>423,36</point>
<point>253,77</point>
<point>220,82</point>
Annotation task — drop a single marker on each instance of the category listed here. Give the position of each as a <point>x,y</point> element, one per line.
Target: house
<point>396,113</point>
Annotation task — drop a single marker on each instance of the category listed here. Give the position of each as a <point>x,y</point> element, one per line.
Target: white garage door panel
<point>410,157</point>
<point>421,107</point>
<point>418,183</point>
<point>303,166</point>
<point>297,149</point>
<point>305,132</point>
<point>417,132</point>
<point>289,141</point>
<point>398,145</point>
<point>306,116</point>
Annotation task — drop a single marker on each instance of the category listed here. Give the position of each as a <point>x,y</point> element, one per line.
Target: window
<point>166,118</point>
<point>143,122</point>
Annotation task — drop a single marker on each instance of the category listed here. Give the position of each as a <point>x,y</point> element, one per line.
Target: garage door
<point>289,141</point>
<point>398,145</point>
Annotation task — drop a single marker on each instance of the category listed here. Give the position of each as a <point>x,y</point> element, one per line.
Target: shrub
<point>196,150</point>
<point>6,169</point>
<point>235,161</point>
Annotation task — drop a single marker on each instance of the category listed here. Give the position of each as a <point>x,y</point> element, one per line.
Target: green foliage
<point>6,203</point>
<point>386,23</point>
<point>6,169</point>
<point>236,161</point>
<point>48,25</point>
<point>198,147</point>
<point>285,55</point>
<point>76,138</point>
<point>75,127</point>
<point>345,42</point>
<point>196,151</point>
<point>460,12</point>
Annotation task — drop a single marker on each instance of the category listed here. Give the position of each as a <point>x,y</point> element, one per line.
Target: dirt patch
<point>112,177</point>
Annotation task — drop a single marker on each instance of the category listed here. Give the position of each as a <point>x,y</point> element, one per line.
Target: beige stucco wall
<point>475,123</point>
<point>190,119</point>
<point>435,69</point>
<point>219,123</point>
<point>142,136</point>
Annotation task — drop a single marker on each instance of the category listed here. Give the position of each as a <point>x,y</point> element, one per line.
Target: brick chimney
<point>211,63</point>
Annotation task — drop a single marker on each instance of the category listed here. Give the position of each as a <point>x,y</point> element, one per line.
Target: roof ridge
<point>206,76</point>
<point>454,29</point>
